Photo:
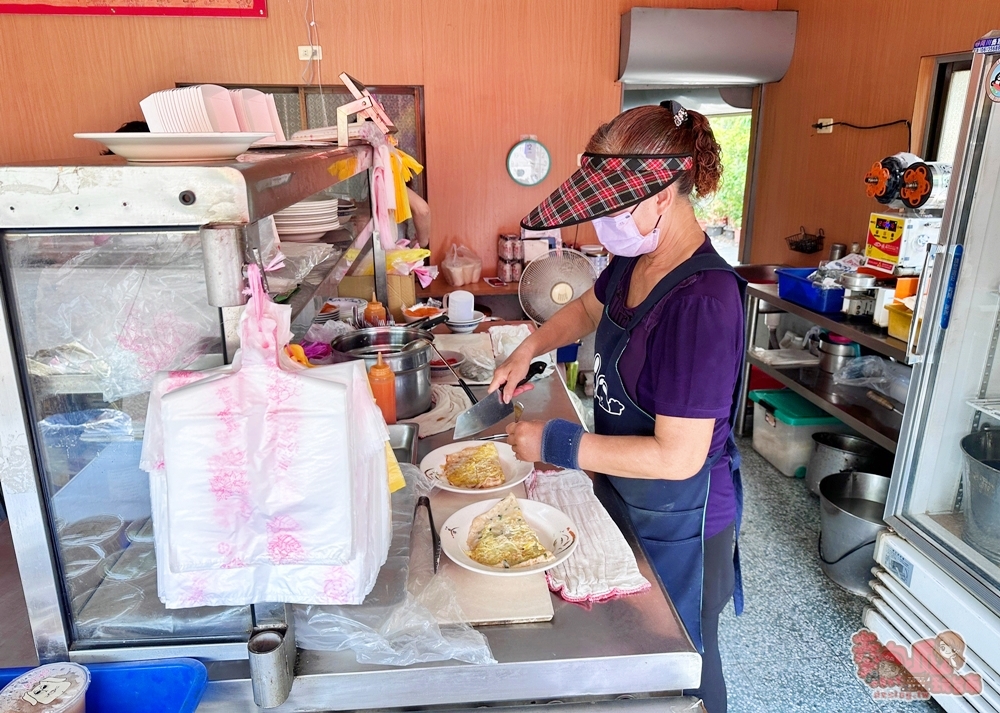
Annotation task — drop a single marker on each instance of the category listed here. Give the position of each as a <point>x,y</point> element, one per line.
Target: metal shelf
<point>989,407</point>
<point>869,335</point>
<point>847,403</point>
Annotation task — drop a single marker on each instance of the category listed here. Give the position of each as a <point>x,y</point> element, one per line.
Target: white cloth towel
<point>507,337</point>
<point>449,402</point>
<point>603,566</point>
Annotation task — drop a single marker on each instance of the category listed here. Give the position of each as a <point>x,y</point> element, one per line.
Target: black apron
<point>669,515</point>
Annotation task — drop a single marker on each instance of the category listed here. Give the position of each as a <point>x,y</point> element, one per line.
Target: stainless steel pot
<point>981,501</point>
<point>838,452</point>
<point>851,508</point>
<point>412,367</point>
<point>832,356</point>
<point>856,281</point>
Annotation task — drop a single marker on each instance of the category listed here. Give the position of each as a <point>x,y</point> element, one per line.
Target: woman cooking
<point>669,352</point>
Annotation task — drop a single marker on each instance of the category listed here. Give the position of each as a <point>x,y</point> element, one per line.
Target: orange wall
<point>492,71</point>
<point>856,61</point>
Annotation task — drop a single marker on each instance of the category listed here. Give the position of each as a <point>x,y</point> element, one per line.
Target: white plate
<point>318,218</point>
<point>307,229</point>
<point>303,237</point>
<point>155,148</point>
<point>346,306</point>
<point>515,470</point>
<point>554,529</point>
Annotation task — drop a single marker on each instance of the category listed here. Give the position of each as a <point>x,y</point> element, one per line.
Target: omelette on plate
<point>501,537</point>
<point>475,467</point>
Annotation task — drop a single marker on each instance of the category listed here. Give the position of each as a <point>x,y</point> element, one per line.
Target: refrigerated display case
<point>112,272</point>
<point>944,503</point>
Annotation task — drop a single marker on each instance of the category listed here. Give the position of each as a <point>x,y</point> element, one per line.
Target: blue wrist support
<point>561,443</point>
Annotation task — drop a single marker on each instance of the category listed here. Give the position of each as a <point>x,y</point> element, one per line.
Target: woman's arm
<point>676,451</point>
<point>574,321</point>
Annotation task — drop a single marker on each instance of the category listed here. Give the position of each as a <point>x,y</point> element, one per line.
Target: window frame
<point>933,81</point>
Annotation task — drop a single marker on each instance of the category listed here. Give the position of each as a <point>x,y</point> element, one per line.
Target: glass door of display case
<point>93,316</point>
<point>945,496</point>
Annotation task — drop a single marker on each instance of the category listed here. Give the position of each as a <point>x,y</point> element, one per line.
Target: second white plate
<point>516,471</point>
<point>554,529</point>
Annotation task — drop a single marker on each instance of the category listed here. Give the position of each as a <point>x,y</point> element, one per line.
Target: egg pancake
<point>501,537</point>
<point>475,467</point>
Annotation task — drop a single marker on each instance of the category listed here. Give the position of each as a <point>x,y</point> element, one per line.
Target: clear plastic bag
<point>397,623</point>
<point>137,303</point>
<point>461,266</point>
<point>873,372</point>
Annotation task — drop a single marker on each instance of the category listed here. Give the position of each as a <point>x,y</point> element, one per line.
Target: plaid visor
<point>606,184</point>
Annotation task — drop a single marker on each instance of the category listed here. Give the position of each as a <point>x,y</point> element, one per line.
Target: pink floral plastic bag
<point>268,480</point>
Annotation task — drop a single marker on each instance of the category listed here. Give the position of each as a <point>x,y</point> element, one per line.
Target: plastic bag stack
<point>267,479</point>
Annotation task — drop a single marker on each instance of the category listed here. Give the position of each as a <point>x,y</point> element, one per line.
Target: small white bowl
<point>466,327</point>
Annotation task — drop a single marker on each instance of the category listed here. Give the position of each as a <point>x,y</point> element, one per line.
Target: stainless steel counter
<point>635,645</point>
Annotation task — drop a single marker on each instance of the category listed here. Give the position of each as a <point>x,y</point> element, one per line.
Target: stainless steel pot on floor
<point>851,509</point>
<point>839,452</point>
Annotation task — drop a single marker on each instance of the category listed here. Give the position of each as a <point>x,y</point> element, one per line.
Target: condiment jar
<point>383,383</point>
<point>375,313</point>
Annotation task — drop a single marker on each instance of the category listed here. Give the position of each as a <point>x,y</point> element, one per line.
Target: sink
<point>403,441</point>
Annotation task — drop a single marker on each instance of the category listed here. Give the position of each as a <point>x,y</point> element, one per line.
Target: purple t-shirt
<point>683,360</point>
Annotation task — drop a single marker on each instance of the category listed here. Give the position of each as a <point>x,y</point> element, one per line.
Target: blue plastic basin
<point>166,686</point>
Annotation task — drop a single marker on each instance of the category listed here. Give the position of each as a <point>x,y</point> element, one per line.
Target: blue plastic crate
<point>166,686</point>
<point>794,286</point>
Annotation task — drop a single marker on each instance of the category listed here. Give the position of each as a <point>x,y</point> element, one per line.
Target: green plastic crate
<point>783,425</point>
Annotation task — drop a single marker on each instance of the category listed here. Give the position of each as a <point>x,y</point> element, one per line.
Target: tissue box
<point>402,291</point>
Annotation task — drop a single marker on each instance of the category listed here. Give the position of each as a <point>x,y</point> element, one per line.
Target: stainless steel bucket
<point>839,452</point>
<point>980,500</point>
<point>851,507</point>
<point>412,367</point>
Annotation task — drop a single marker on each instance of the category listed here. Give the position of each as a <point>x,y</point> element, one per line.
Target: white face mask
<point>621,236</point>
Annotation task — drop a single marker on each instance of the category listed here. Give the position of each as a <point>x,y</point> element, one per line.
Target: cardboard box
<point>402,292</point>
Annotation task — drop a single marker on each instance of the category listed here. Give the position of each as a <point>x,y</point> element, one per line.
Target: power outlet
<point>826,124</point>
<point>308,52</point>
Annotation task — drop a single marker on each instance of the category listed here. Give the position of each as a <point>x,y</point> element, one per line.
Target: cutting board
<point>466,344</point>
<point>485,599</point>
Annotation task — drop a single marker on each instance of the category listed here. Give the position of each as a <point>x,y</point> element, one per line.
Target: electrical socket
<point>827,126</point>
<point>308,52</point>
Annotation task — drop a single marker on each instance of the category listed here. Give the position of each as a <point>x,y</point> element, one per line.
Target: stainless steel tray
<point>403,440</point>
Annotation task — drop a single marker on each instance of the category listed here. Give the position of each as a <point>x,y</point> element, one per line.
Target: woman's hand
<point>525,437</point>
<point>510,373</point>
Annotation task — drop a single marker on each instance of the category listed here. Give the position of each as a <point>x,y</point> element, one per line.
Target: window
<point>730,112</point>
<point>950,81</point>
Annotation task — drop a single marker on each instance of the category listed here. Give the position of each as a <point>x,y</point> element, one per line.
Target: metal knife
<point>491,410</point>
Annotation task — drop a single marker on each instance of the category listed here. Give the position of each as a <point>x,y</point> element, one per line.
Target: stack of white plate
<point>307,221</point>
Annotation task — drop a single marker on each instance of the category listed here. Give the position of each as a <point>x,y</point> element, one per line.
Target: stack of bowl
<point>466,327</point>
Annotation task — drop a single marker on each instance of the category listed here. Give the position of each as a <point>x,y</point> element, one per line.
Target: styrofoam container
<point>783,425</point>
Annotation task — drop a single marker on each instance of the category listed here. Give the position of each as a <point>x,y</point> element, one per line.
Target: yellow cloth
<point>404,167</point>
<point>392,257</point>
<point>396,481</point>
